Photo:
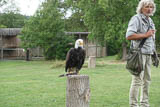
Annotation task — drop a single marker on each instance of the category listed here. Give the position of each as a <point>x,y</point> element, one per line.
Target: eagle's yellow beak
<point>81,43</point>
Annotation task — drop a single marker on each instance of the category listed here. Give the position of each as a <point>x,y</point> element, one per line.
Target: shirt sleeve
<point>132,26</point>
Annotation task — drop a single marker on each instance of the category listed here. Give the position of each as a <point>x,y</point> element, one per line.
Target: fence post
<point>77,91</point>
<point>92,62</point>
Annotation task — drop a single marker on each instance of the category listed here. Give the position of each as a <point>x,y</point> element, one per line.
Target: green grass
<point>36,84</point>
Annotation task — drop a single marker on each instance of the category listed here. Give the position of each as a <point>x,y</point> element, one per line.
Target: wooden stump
<point>77,91</point>
<point>92,62</point>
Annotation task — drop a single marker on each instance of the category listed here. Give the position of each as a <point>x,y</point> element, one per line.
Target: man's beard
<point>149,14</point>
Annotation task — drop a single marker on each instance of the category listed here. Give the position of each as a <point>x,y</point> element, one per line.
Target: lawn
<point>36,84</point>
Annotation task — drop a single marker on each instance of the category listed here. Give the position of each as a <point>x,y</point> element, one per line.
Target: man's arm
<point>141,36</point>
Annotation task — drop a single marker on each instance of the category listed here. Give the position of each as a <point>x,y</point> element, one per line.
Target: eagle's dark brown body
<point>75,59</point>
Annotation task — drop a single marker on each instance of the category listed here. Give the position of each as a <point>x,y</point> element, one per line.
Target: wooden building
<point>10,45</point>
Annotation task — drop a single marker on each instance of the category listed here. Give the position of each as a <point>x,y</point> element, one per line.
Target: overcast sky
<point>28,7</point>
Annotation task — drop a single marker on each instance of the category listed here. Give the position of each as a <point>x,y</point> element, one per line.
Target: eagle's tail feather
<point>63,75</point>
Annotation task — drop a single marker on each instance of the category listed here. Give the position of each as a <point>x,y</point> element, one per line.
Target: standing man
<point>141,26</point>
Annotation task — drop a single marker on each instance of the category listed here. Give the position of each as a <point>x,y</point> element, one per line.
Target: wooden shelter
<point>9,43</point>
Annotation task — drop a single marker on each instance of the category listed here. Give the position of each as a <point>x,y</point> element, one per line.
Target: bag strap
<point>143,40</point>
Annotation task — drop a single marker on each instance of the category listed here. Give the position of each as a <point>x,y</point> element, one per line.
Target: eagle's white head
<point>79,43</point>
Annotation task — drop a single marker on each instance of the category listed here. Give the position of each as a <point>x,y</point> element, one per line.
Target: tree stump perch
<point>92,62</point>
<point>77,91</point>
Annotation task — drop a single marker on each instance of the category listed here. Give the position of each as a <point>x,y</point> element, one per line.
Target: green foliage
<point>10,16</point>
<point>156,20</point>
<point>12,20</point>
<point>107,20</point>
<point>59,47</point>
<point>46,30</point>
<point>75,23</point>
<point>2,26</point>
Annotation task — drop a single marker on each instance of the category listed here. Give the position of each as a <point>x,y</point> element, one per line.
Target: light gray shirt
<point>139,24</point>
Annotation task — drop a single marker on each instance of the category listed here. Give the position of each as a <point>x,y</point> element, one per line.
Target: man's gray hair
<point>143,3</point>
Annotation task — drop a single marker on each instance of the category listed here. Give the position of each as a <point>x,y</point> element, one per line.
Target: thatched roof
<point>10,31</point>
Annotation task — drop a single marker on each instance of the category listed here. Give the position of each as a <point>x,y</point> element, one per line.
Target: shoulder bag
<point>135,61</point>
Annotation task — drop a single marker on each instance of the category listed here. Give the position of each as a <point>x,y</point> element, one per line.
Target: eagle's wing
<point>82,58</point>
<point>69,55</point>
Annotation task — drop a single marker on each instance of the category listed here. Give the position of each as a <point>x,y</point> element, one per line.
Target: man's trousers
<point>141,82</point>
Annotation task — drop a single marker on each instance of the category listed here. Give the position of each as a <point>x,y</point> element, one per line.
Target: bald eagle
<point>75,59</point>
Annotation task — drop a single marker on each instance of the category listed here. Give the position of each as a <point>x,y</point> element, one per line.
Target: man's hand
<point>150,33</point>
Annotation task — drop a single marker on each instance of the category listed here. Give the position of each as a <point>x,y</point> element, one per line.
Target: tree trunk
<point>124,54</point>
<point>77,91</point>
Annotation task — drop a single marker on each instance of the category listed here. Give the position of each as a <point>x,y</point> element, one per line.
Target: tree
<point>10,16</point>
<point>156,20</point>
<point>12,20</point>
<point>107,20</point>
<point>46,30</point>
<point>75,22</point>
<point>2,2</point>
